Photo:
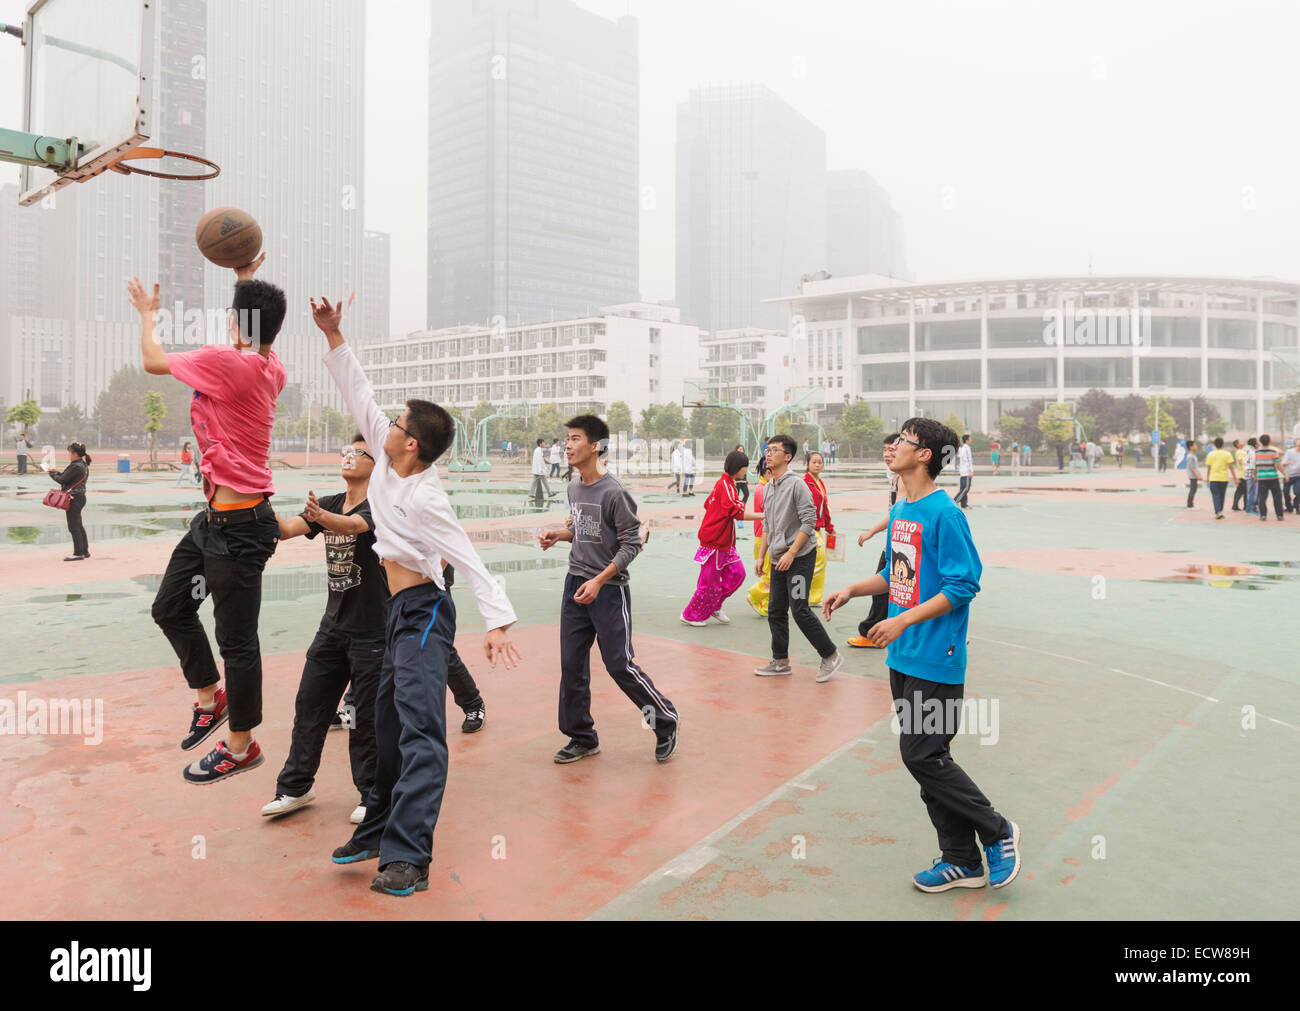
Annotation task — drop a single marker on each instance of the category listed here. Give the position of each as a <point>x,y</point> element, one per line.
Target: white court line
<point>702,852</point>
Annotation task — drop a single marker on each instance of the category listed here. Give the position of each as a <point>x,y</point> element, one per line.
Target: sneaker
<point>401,878</point>
<point>942,876</point>
<point>76,558</point>
<point>220,764</point>
<point>283,804</point>
<point>665,748</point>
<point>474,718</point>
<point>358,814</point>
<point>774,668</point>
<point>575,750</point>
<point>202,722</point>
<point>862,642</point>
<point>339,721</point>
<point>1004,858</point>
<point>754,607</point>
<point>697,624</point>
<point>829,666</point>
<point>721,618</point>
<point>1218,516</point>
<point>351,853</point>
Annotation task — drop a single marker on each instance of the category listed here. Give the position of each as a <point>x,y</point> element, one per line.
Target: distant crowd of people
<point>1257,469</point>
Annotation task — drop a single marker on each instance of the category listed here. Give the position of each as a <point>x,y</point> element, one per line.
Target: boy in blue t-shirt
<point>932,574</point>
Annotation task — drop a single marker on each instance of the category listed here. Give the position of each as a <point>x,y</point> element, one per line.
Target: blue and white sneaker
<point>943,875</point>
<point>1004,858</point>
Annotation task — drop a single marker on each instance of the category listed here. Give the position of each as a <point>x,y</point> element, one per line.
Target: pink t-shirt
<point>232,412</point>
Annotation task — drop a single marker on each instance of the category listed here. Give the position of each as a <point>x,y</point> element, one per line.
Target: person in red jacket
<point>721,569</point>
<point>824,527</point>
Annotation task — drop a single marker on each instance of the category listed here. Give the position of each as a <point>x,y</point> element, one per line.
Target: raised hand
<point>246,272</point>
<point>147,303</point>
<point>327,317</point>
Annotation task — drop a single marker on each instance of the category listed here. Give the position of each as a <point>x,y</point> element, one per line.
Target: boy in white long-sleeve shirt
<point>416,531</point>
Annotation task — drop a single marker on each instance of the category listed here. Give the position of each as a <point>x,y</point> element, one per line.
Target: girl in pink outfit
<point>721,569</point>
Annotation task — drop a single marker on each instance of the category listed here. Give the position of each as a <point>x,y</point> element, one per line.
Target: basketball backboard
<point>705,392</point>
<point>88,75</point>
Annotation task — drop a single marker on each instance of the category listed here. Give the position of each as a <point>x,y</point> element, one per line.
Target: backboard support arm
<point>22,148</point>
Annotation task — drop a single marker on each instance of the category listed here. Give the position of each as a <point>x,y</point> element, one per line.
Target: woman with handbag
<point>824,528</point>
<point>72,497</point>
<point>186,477</point>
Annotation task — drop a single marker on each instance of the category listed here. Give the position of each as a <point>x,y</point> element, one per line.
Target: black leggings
<point>80,545</point>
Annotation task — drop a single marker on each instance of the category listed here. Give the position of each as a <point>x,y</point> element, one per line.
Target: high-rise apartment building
<point>533,162</point>
<point>376,288</point>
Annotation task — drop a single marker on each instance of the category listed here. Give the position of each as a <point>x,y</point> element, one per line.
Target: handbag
<point>834,548</point>
<point>58,498</point>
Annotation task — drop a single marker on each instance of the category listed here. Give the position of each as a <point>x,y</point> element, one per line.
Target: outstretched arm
<point>349,376</point>
<point>148,303</point>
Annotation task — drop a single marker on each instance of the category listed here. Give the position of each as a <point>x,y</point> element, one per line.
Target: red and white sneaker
<point>219,764</point>
<point>202,723</point>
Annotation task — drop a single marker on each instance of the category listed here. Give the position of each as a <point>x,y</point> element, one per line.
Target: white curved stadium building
<point>982,348</point>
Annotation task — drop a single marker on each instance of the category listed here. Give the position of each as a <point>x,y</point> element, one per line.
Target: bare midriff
<point>400,577</point>
<point>231,499</point>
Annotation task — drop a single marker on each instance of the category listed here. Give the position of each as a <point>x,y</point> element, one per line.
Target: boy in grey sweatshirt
<point>597,604</point>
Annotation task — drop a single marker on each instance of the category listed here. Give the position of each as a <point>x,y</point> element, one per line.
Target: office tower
<point>376,288</point>
<point>864,234</point>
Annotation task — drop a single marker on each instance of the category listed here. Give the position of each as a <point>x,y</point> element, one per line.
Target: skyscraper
<point>751,205</point>
<point>864,234</point>
<point>533,161</point>
<point>376,299</point>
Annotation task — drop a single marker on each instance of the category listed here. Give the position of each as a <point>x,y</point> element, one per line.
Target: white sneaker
<point>687,621</point>
<point>719,616</point>
<point>358,814</point>
<point>774,668</point>
<point>829,666</point>
<point>283,804</point>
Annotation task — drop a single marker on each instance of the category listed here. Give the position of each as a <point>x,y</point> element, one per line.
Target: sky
<point>1016,138</point>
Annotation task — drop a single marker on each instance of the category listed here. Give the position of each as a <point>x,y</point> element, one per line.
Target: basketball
<point>229,237</point>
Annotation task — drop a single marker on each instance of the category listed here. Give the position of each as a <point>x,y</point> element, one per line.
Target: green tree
<point>1010,427</point>
<point>334,428</point>
<point>1056,431</point>
<point>1091,426</point>
<point>69,424</point>
<point>698,423</point>
<point>861,428</point>
<point>155,409</point>
<point>26,413</point>
<point>548,424</point>
<point>669,422</point>
<point>1166,424</point>
<point>1287,410</point>
<point>648,426</point>
<point>620,418</point>
<point>724,430</point>
<point>956,424</point>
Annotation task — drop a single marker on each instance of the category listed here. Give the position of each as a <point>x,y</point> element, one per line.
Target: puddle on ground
<point>96,532</point>
<point>169,507</point>
<point>63,598</point>
<point>275,585</point>
<point>1233,577</point>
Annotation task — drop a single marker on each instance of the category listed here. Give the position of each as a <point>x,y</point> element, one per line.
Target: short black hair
<point>358,437</point>
<point>431,427</point>
<point>593,427</point>
<point>787,443</point>
<point>736,460</point>
<point>936,437</point>
<point>260,308</point>
<point>1265,439</point>
<point>541,442</point>
<point>1218,442</point>
<point>1251,442</point>
<point>966,437</point>
<point>889,440</point>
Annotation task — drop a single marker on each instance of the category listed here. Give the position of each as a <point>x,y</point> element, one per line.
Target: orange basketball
<point>229,237</point>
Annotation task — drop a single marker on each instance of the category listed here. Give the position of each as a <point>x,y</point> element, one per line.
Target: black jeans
<point>80,545</point>
<point>22,464</point>
<point>879,605</point>
<point>958,810</point>
<point>790,591</point>
<point>1218,491</point>
<point>333,659</point>
<point>1239,496</point>
<point>410,728</point>
<point>1191,491</point>
<point>222,556</point>
<point>608,621</point>
<point>1291,491</point>
<point>1267,486</point>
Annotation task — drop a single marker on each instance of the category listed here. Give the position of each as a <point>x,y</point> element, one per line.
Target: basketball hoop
<point>140,153</point>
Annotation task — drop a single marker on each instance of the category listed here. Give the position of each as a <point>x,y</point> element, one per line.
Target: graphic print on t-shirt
<point>904,563</point>
<point>342,571</point>
<point>585,527</point>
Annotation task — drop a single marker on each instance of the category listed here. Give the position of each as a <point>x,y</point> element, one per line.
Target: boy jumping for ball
<point>934,574</point>
<point>416,533</point>
<point>229,541</point>
<point>597,604</point>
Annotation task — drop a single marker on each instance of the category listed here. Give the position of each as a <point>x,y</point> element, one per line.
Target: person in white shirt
<point>557,457</point>
<point>24,448</point>
<point>541,490</point>
<point>416,532</point>
<point>676,463</point>
<point>1290,467</point>
<point>688,470</point>
<point>965,472</point>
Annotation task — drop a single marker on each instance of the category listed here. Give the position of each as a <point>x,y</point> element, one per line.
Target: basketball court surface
<point>1133,717</point>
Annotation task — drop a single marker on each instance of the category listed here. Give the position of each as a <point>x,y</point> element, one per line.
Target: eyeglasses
<point>392,423</point>
<point>903,438</point>
<point>347,451</point>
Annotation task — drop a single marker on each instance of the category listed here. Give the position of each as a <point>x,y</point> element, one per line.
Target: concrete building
<point>978,349</point>
<point>749,367</point>
<point>751,205</point>
<point>864,234</point>
<point>534,120</point>
<point>639,353</point>
<point>376,289</point>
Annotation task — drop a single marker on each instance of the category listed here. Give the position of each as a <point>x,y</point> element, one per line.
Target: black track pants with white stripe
<point>608,621</point>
